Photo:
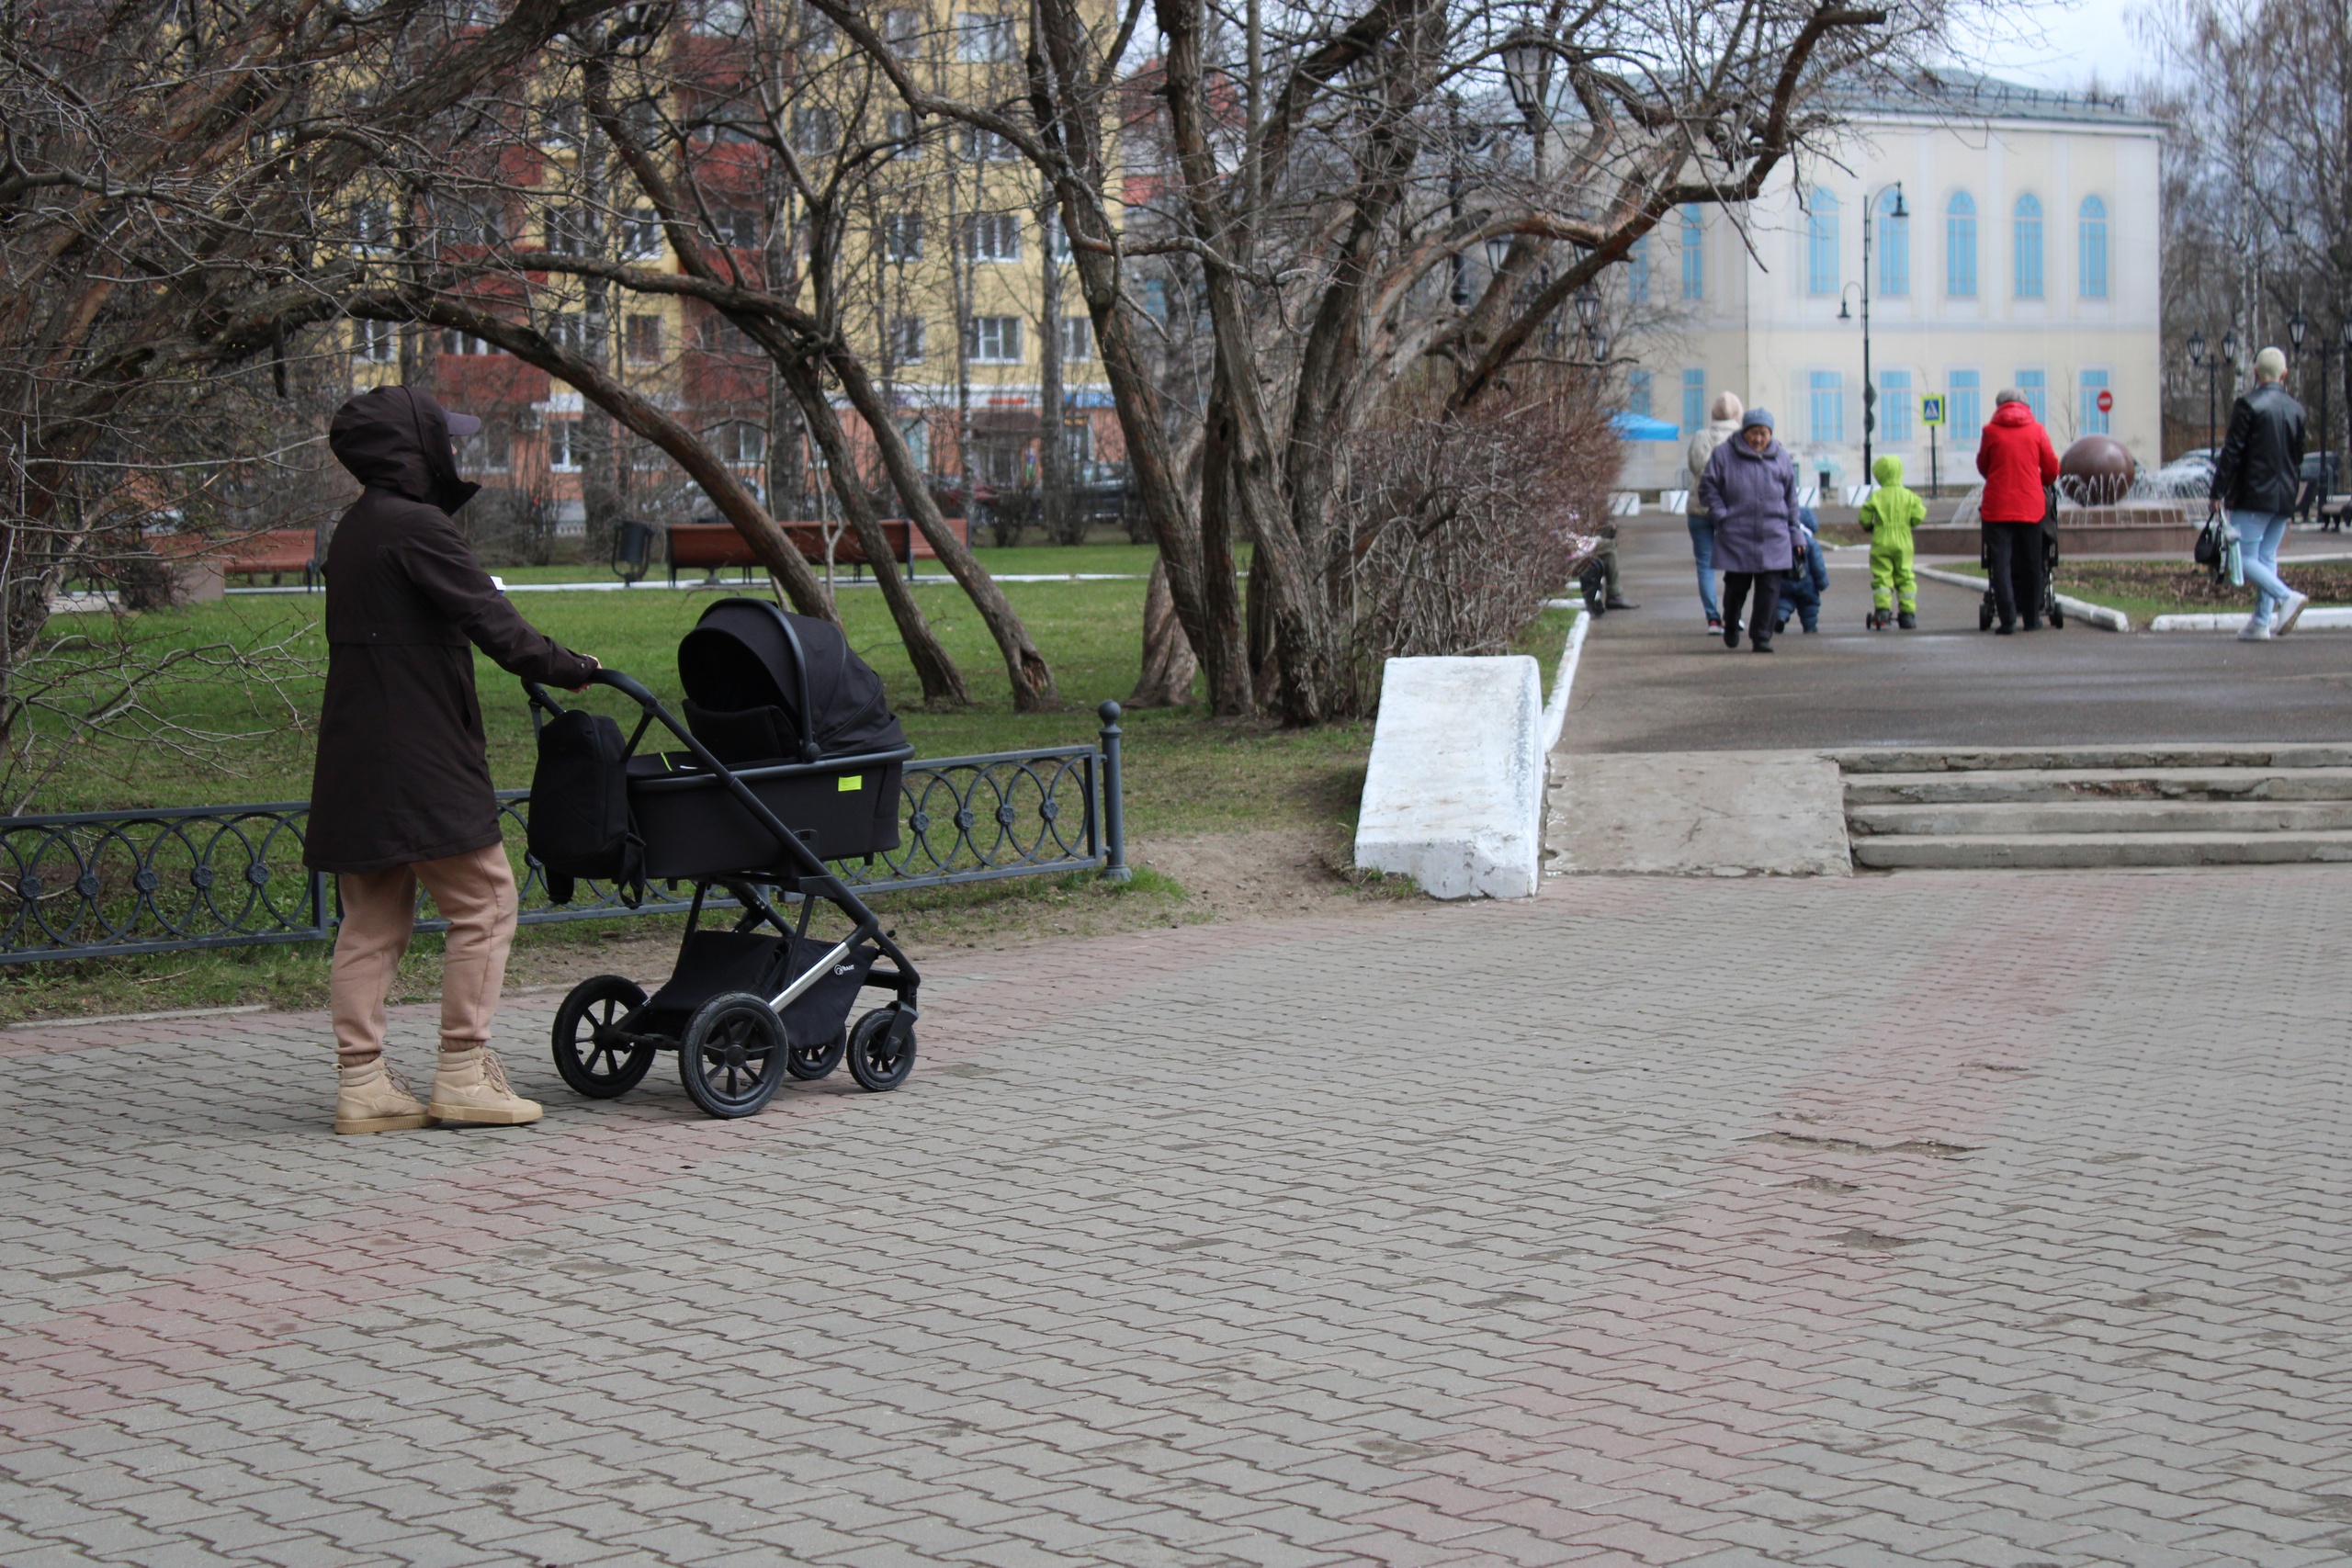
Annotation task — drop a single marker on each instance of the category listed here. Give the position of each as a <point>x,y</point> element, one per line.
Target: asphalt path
<point>1650,681</point>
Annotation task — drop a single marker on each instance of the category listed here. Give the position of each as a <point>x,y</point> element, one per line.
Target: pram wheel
<point>874,1061</point>
<point>809,1063</point>
<point>590,1060</point>
<point>1983,617</point>
<point>733,1058</point>
<point>2057,619</point>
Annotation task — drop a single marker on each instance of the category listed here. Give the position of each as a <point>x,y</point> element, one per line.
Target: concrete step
<point>1916,759</point>
<point>2005,819</point>
<point>2051,851</point>
<point>2184,783</point>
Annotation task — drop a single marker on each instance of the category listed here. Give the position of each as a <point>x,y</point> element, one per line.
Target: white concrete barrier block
<point>1454,795</point>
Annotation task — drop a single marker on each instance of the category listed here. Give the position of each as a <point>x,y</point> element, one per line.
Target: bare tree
<point>1324,217</point>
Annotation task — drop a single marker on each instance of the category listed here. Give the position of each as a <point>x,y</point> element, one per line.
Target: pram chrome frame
<point>811,876</point>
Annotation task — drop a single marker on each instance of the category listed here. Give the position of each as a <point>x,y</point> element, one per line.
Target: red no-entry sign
<point>2106,400</point>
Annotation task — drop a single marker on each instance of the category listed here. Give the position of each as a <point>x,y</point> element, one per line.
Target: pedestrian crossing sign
<point>1931,408</point>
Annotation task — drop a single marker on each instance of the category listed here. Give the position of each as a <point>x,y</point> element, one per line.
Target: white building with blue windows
<point>2014,243</point>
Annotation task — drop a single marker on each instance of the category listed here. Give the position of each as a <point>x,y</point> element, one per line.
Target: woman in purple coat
<point>1750,490</point>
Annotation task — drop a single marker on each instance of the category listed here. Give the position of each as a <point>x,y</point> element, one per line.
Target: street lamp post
<point>1870,387</point>
<point>2211,367</point>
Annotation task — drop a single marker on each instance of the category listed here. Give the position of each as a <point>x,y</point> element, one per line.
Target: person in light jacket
<point>1750,490</point>
<point>1722,424</point>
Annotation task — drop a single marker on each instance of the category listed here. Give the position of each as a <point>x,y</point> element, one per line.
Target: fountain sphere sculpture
<point>2097,471</point>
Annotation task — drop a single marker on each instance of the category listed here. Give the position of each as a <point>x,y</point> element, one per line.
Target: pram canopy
<point>762,685</point>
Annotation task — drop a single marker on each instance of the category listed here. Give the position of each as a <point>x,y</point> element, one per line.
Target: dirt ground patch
<point>2193,588</point>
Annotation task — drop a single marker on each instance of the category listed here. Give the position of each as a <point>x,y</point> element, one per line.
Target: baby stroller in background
<point>792,759</point>
<point>1990,609</point>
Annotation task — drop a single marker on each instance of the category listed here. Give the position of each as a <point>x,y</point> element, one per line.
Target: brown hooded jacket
<point>403,767</point>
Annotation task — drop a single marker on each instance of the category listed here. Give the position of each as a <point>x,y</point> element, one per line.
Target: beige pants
<point>475,891</point>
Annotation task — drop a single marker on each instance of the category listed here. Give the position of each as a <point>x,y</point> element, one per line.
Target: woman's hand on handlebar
<point>593,664</point>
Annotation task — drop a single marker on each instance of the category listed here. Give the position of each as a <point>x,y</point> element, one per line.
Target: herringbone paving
<point>1991,1219</point>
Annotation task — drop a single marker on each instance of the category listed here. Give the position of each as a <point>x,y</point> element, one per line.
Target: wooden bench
<point>714,546</point>
<point>277,552</point>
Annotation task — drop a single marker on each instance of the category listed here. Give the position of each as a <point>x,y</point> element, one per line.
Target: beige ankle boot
<point>371,1100</point>
<point>472,1087</point>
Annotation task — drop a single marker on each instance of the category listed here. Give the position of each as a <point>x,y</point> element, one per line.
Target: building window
<point>453,342</point>
<point>2092,244</point>
<point>563,445</point>
<point>738,227</point>
<point>641,235</point>
<point>1893,249</point>
<point>567,330</point>
<point>743,446</point>
<point>992,237</point>
<point>1893,405</point>
<point>903,29</point>
<point>1821,244</point>
<point>1827,405</point>
<point>984,37</point>
<point>2035,386</point>
<point>570,231</point>
<point>2028,243</point>
<point>376,343</point>
<point>1965,410</point>
<point>1695,254</point>
<point>720,335</point>
<point>1694,400</point>
<point>994,340</point>
<point>906,340</point>
<point>1960,246</point>
<point>1078,339</point>
<point>643,340</point>
<point>371,227</point>
<point>1638,273</point>
<point>720,18</point>
<point>812,132</point>
<point>1638,393</point>
<point>899,126</point>
<point>1155,298</point>
<point>902,236</point>
<point>987,147</point>
<point>2092,420</point>
<point>486,451</point>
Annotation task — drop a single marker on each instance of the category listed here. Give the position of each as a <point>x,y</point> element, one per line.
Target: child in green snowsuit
<point>1890,514</point>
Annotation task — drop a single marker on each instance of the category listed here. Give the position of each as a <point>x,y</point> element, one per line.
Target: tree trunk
<point>1231,690</point>
<point>1032,678</point>
<point>1168,664</point>
<point>1054,509</point>
<point>943,683</point>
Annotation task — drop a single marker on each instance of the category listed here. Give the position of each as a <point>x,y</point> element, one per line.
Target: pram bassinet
<point>783,701</point>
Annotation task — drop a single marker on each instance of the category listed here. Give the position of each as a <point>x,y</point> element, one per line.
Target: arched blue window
<point>1894,248</point>
<point>2091,243</point>
<point>2027,223</point>
<point>1960,246</point>
<point>1821,243</point>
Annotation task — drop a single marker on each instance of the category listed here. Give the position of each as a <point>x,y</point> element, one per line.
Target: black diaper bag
<point>580,818</point>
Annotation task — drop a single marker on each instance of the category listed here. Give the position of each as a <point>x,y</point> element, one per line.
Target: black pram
<point>793,758</point>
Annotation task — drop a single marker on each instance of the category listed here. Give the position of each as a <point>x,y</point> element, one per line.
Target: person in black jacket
<point>402,793</point>
<point>2256,477</point>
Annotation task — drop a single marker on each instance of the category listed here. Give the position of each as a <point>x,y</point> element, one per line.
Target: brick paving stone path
<point>1993,1221</point>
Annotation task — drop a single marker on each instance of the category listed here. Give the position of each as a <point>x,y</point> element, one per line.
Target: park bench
<point>277,552</point>
<point>714,546</point>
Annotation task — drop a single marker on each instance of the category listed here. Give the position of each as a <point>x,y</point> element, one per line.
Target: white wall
<point>1762,331</point>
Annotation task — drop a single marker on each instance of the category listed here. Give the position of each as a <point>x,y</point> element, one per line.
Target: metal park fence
<point>90,883</point>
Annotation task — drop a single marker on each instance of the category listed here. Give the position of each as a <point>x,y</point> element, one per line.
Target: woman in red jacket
<point>2013,453</point>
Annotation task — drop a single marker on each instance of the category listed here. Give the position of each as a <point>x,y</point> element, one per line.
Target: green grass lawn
<point>1184,771</point>
<point>1020,560</point>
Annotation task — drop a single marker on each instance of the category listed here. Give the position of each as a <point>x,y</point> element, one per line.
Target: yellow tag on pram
<point>849,784</point>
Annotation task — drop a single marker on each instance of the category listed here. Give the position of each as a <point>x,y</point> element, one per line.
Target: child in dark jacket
<point>1801,593</point>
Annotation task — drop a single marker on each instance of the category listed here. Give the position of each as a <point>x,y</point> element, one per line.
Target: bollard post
<point>1114,826</point>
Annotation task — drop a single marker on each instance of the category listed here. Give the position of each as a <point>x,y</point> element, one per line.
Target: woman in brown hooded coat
<point>402,793</point>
